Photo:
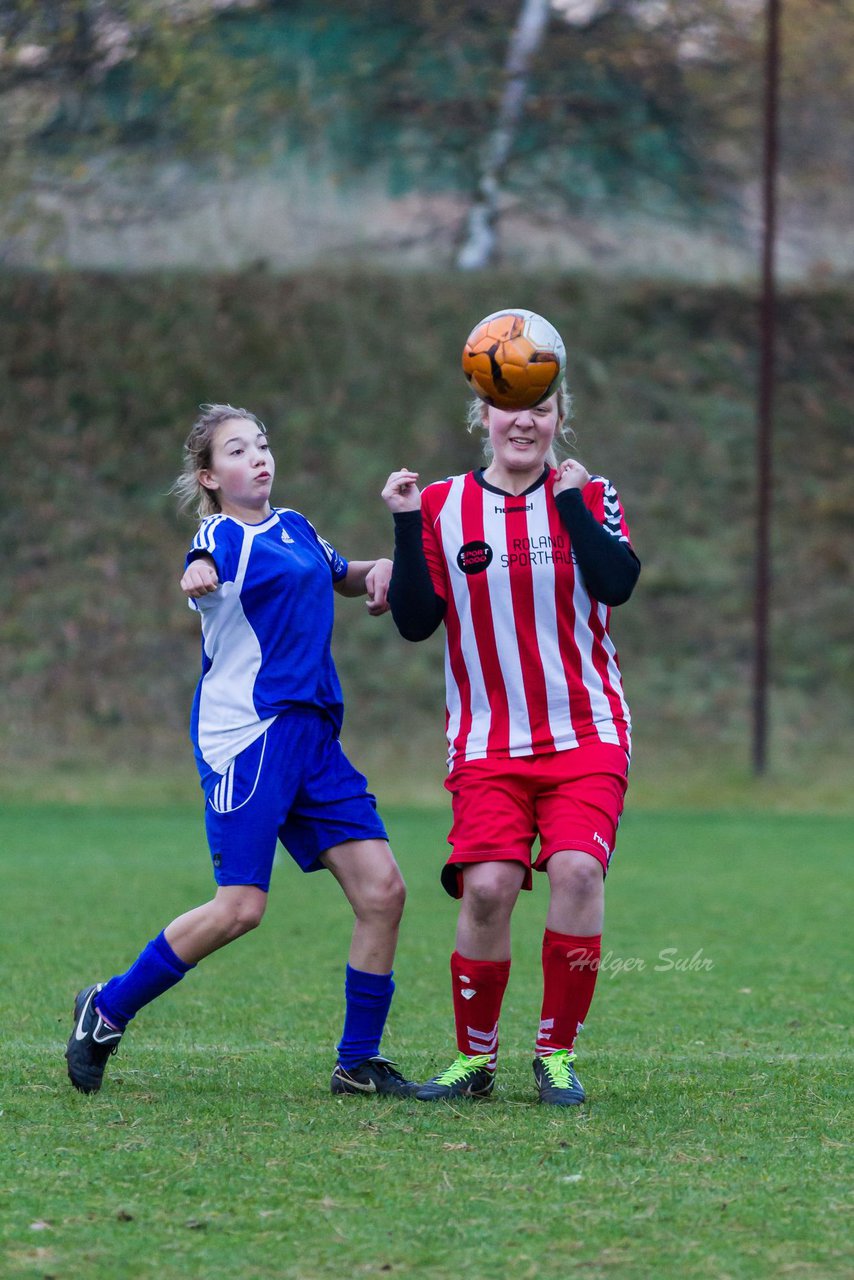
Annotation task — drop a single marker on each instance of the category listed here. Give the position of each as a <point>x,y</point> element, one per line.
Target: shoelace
<point>557,1067</point>
<point>462,1068</point>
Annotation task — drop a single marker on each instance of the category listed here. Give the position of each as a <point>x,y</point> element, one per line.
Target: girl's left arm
<point>367,577</point>
<point>608,564</point>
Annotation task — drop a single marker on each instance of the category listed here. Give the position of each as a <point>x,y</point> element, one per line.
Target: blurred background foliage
<point>129,114</point>
<point>261,201</point>
<point>355,376</point>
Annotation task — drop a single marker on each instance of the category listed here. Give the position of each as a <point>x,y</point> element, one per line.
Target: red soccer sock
<point>570,967</point>
<point>478,987</point>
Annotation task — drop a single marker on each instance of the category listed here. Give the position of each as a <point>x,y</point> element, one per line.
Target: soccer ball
<point>513,359</point>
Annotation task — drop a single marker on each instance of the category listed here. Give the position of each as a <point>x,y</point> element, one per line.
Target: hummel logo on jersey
<point>286,537</point>
<point>506,511</point>
<point>599,840</point>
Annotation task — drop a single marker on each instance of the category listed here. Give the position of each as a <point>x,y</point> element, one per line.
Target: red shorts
<point>570,799</point>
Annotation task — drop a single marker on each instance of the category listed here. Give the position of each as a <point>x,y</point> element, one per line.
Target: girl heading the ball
<point>265,726</point>
<point>522,560</point>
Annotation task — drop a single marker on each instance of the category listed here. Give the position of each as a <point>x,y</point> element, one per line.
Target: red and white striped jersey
<point>529,664</point>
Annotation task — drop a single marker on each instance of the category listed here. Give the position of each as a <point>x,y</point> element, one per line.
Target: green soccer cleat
<point>557,1081</point>
<point>465,1078</point>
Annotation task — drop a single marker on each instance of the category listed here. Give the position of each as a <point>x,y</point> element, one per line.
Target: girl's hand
<point>571,475</point>
<point>376,585</point>
<point>401,492</point>
<point>200,578</point>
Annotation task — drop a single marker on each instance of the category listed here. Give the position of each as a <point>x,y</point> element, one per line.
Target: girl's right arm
<point>200,577</point>
<point>416,607</point>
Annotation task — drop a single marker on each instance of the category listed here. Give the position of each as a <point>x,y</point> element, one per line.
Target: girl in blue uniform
<point>265,726</point>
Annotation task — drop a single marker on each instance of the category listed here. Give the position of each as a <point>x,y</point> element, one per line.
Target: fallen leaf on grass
<point>40,1225</point>
<point>456,1146</point>
<point>328,1203</point>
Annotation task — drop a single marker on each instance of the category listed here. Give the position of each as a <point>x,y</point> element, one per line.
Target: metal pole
<point>766,388</point>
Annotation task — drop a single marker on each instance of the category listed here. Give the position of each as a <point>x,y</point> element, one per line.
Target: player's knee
<point>249,918</point>
<point>393,894</point>
<point>488,899</point>
<point>580,876</point>
<point>384,897</point>
<point>243,914</point>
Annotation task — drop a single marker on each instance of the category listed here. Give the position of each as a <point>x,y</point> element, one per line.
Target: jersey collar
<point>261,526</point>
<point>532,488</point>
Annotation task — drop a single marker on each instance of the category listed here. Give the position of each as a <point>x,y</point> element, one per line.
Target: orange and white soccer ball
<point>513,359</point>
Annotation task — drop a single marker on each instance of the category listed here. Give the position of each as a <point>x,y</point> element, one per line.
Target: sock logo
<point>467,992</point>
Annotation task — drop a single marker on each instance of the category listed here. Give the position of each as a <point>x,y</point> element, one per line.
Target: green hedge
<point>354,376</point>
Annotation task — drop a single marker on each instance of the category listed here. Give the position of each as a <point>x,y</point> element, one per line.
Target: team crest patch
<point>474,557</point>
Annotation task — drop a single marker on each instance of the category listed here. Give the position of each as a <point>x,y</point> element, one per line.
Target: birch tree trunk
<point>478,249</point>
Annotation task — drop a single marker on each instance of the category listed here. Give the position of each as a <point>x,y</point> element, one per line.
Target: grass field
<point>715,1062</point>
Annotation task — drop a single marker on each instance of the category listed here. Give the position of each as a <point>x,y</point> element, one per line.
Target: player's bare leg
<point>235,909</point>
<point>374,887</point>
<point>370,877</point>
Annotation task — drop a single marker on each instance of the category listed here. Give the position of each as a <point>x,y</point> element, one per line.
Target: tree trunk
<point>478,249</point>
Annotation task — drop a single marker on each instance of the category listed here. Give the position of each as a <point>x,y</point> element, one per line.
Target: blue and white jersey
<point>266,630</point>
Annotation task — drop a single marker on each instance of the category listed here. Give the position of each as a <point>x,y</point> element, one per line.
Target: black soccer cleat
<point>556,1079</point>
<point>374,1075</point>
<point>91,1042</point>
<point>465,1078</point>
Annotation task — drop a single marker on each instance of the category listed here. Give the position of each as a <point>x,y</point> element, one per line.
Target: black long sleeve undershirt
<point>609,567</point>
<point>416,607</point>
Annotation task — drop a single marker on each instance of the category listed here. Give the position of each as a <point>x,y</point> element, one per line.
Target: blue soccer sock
<point>155,970</point>
<point>368,999</point>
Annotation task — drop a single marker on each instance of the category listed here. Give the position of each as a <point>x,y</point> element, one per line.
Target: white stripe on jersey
<point>204,539</point>
<point>507,644</point>
<point>228,721</point>
<point>600,707</point>
<point>614,676</point>
<point>548,641</point>
<point>453,703</point>
<point>452,528</point>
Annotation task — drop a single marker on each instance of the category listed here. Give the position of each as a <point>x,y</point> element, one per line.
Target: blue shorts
<point>294,784</point>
